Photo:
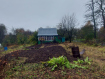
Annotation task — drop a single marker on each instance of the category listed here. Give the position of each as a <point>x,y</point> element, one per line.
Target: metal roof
<point>47,31</point>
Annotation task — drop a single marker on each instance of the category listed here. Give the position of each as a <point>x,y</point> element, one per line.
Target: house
<point>46,35</point>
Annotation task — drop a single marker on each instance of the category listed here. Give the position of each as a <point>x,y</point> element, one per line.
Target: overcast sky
<point>32,14</point>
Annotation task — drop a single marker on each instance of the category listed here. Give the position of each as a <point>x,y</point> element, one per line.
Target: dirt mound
<point>37,55</point>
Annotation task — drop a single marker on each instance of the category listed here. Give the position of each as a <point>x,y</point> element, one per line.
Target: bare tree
<point>68,23</point>
<point>101,11</point>
<point>91,15</point>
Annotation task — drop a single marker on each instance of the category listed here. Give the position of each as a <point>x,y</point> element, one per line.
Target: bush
<point>33,39</point>
<point>9,40</point>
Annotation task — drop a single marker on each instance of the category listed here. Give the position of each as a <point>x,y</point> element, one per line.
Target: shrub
<point>33,38</point>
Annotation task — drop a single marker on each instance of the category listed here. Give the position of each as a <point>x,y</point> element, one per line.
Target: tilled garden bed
<point>38,55</point>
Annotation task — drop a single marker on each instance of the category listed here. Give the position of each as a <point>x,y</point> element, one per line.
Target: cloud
<point>32,14</point>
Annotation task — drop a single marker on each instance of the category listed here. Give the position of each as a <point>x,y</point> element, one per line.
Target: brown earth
<point>35,54</point>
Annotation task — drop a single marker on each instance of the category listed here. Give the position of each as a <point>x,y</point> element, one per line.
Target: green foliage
<point>21,38</point>
<point>85,61</point>
<point>62,61</point>
<point>9,40</point>
<point>79,61</point>
<point>101,34</point>
<point>33,38</point>
<point>87,32</point>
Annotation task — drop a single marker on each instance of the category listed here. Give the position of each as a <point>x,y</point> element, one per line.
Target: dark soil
<point>35,54</point>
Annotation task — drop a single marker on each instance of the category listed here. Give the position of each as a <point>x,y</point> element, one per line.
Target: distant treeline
<point>84,34</point>
<point>18,36</point>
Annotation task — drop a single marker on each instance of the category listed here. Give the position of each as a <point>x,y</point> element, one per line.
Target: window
<point>48,38</point>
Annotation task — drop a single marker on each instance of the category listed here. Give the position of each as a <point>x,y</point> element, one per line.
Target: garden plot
<point>27,63</point>
<point>40,55</point>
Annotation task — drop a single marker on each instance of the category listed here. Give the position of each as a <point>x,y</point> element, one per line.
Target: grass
<point>12,49</point>
<point>16,69</point>
<point>96,54</point>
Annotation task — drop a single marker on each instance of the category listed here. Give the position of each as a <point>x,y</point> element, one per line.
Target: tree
<point>19,30</point>
<point>33,38</point>
<point>2,32</point>
<point>18,36</point>
<point>22,35</point>
<point>91,15</point>
<point>9,39</point>
<point>67,24</point>
<point>101,11</point>
<point>87,32</point>
<point>101,34</point>
<point>61,31</point>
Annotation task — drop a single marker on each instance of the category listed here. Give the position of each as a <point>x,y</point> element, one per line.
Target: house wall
<point>46,38</point>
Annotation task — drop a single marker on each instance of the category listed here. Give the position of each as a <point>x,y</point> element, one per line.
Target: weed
<point>79,61</point>
<point>85,61</point>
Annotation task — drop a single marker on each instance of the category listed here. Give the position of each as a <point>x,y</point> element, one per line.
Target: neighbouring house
<point>46,35</point>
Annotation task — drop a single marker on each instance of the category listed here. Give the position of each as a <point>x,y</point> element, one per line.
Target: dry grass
<point>97,54</point>
<point>42,46</point>
<point>12,49</point>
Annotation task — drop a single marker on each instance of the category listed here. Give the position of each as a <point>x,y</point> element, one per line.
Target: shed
<point>47,34</point>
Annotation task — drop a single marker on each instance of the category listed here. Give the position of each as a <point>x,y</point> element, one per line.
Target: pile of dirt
<point>37,55</point>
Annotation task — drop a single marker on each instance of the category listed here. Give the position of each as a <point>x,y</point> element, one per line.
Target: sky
<point>33,14</point>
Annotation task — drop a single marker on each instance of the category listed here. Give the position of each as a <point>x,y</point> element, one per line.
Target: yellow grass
<point>96,54</point>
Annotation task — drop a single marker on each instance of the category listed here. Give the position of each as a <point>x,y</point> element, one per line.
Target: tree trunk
<point>70,40</point>
<point>94,19</point>
<point>103,16</point>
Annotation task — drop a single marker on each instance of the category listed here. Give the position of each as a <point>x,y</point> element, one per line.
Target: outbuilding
<point>47,35</point>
